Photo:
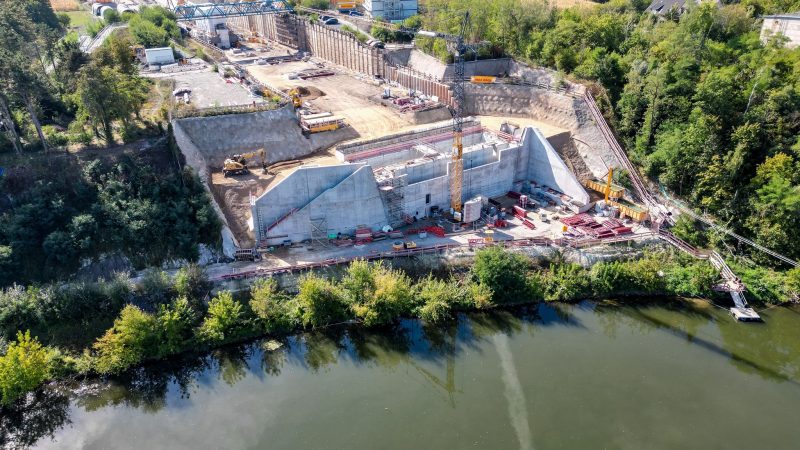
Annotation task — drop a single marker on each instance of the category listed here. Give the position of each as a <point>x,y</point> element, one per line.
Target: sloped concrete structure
<point>385,181</point>
<point>317,201</point>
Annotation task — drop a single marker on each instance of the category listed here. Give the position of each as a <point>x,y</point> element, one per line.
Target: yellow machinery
<point>237,164</point>
<point>459,48</point>
<point>296,100</point>
<point>613,197</point>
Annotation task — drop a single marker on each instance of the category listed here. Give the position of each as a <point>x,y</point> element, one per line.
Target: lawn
<point>79,19</point>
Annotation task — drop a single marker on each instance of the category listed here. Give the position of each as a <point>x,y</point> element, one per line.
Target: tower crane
<point>458,47</point>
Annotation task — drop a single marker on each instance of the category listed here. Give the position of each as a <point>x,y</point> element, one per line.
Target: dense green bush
<point>567,282</point>
<point>24,366</point>
<point>377,294</point>
<point>63,217</point>
<point>321,302</point>
<point>436,299</point>
<point>272,306</point>
<point>176,323</point>
<point>133,338</point>
<point>154,26</point>
<point>225,320</point>
<point>504,272</point>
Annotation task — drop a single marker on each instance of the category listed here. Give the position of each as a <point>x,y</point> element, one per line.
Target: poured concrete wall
<point>433,67</point>
<point>194,158</point>
<point>545,167</point>
<point>565,111</point>
<point>275,131</point>
<point>339,198</point>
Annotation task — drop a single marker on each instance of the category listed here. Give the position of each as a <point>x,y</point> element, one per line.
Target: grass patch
<point>79,20</point>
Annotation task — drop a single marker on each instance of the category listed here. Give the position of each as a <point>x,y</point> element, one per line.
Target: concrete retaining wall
<point>276,131</point>
<point>334,198</point>
<point>194,158</point>
<point>565,111</point>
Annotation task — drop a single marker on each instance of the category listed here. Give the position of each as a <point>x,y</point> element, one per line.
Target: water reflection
<point>39,416</point>
<point>772,351</point>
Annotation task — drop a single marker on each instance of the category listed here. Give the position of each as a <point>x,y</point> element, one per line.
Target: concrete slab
<point>209,89</point>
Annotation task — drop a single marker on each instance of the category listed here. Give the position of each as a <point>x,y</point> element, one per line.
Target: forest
<point>64,205</point>
<point>706,110</point>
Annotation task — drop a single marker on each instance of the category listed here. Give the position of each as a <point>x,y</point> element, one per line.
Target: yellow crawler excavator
<point>237,164</point>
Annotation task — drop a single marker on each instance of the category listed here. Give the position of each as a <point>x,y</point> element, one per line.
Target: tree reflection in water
<point>772,351</point>
<point>37,416</point>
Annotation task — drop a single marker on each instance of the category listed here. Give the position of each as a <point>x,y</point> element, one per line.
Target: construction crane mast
<point>458,47</point>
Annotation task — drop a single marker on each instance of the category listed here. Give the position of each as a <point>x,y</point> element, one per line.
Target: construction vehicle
<point>237,164</point>
<point>296,100</point>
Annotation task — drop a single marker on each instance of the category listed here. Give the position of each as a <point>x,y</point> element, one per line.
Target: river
<point>586,376</point>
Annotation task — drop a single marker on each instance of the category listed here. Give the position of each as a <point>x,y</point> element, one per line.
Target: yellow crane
<point>237,164</point>
<point>458,46</point>
<point>607,190</point>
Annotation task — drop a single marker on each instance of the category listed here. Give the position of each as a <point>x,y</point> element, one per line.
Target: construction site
<point>377,151</point>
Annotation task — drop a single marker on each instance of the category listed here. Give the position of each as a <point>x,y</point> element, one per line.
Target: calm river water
<point>585,376</point>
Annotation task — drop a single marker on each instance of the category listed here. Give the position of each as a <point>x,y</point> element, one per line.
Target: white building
<point>159,56</point>
<point>787,25</point>
<point>391,9</point>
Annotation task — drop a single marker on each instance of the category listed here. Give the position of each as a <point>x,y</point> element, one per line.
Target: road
<point>101,37</point>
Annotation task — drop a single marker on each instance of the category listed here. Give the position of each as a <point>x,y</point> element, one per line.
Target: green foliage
<point>224,321</point>
<point>382,34</point>
<point>793,284</point>
<point>154,26</point>
<point>504,272</point>
<point>62,217</point>
<point>51,306</point>
<point>176,323</point>
<point>107,94</point>
<point>566,282</point>
<point>315,4</point>
<point>111,16</point>
<point>321,302</point>
<point>689,230</point>
<point>355,33</point>
<point>191,282</point>
<point>24,367</point>
<point>377,294</point>
<point>610,278</point>
<point>691,280</point>
<point>271,306</point>
<point>133,338</point>
<point>436,299</point>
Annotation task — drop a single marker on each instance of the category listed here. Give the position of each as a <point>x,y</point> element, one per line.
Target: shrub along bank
<point>163,316</point>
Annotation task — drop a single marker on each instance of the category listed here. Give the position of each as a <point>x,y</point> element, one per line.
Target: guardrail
<point>434,249</point>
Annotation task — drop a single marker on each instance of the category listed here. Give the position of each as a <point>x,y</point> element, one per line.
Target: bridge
<point>190,11</point>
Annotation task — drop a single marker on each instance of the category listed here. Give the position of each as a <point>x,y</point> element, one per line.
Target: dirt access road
<point>342,94</point>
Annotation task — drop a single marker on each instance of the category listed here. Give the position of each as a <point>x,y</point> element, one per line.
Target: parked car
<point>332,21</point>
<point>356,13</point>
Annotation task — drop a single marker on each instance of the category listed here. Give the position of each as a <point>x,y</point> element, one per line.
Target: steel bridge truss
<point>190,11</point>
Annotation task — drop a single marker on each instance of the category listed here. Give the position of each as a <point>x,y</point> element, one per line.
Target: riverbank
<point>658,371</point>
<point>166,316</point>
